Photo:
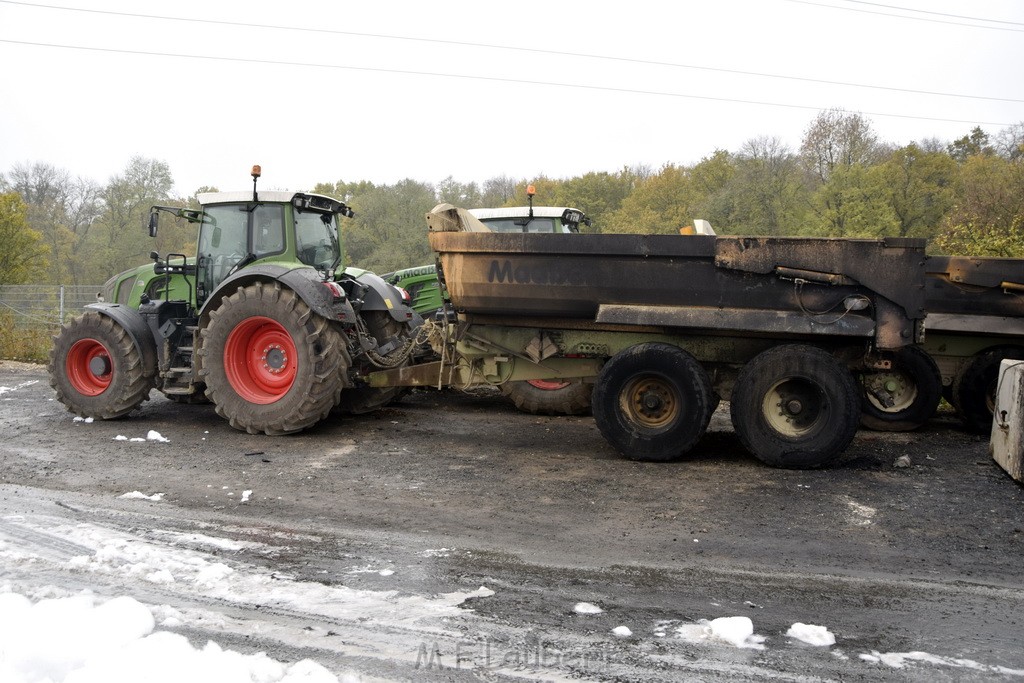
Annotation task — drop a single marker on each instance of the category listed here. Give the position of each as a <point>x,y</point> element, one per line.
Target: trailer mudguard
<point>135,325</point>
<point>306,282</point>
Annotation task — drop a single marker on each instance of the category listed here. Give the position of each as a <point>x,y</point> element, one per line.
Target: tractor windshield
<point>316,239</point>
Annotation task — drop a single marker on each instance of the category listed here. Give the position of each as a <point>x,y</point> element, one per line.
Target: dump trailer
<point>665,325</point>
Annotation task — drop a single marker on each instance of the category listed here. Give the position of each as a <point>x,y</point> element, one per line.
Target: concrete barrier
<point>1007,441</point>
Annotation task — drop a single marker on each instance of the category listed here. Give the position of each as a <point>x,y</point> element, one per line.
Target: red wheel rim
<point>260,360</point>
<point>88,367</point>
<point>548,384</point>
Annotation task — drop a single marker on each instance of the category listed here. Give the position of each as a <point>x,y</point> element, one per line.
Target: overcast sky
<point>333,90</point>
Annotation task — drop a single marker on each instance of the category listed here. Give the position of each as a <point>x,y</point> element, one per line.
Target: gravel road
<point>364,542</point>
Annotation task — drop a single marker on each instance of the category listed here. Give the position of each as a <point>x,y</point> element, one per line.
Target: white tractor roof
<point>246,196</point>
<point>519,212</point>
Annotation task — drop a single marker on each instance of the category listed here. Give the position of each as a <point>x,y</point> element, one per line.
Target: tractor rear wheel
<point>270,364</point>
<point>96,369</point>
<point>549,396</point>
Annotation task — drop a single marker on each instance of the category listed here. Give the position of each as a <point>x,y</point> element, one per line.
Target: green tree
<point>659,204</point>
<point>988,214</point>
<point>919,188</point>
<point>464,195</point>
<point>599,195</point>
<point>22,250</point>
<point>389,230</point>
<point>498,191</point>
<point>974,143</point>
<point>118,240</point>
<point>63,210</point>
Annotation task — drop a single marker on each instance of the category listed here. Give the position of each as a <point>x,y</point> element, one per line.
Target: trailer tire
<point>652,402</point>
<point>974,389</point>
<point>270,364</point>
<point>549,397</point>
<point>96,369</point>
<point>914,384</point>
<point>366,399</point>
<point>795,406</point>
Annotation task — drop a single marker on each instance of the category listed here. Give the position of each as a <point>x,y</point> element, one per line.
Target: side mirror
<point>152,223</point>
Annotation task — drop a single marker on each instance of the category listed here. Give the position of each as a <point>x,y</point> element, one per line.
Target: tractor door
<point>234,235</point>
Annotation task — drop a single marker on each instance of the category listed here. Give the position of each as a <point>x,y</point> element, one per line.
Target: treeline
<point>965,196</point>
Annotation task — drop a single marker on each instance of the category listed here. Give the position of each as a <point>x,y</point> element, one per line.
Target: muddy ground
<point>453,491</point>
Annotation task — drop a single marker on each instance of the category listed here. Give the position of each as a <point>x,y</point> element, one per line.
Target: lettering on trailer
<point>533,274</point>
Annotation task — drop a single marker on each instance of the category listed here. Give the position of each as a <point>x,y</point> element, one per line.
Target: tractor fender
<point>306,282</point>
<point>135,325</point>
<point>380,296</point>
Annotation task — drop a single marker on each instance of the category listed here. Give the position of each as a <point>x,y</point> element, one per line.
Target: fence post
<point>60,321</point>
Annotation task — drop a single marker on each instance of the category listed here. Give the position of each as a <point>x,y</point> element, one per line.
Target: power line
<point>512,48</point>
<point>938,14</point>
<point>903,16</point>
<point>492,79</point>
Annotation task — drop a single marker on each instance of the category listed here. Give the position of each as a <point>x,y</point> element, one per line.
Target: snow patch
<point>154,435</point>
<point>78,639</point>
<point>86,420</point>
<point>811,634</point>
<point>586,608</point>
<point>859,515</point>
<point>622,631</point>
<point>142,496</point>
<point>245,496</point>
<point>898,660</point>
<point>4,390</point>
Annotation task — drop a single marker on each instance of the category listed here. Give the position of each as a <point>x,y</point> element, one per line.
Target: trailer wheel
<point>795,406</point>
<point>96,369</point>
<point>365,399</point>
<point>904,397</point>
<point>270,364</point>
<point>549,397</point>
<point>974,389</point>
<point>652,402</point>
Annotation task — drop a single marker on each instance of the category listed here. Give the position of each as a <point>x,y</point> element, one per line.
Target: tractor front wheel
<point>270,364</point>
<point>96,369</point>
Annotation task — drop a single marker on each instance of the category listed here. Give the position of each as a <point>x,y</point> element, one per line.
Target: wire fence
<point>43,306</point>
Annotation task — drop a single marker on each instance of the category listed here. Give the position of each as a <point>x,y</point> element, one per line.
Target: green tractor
<point>263,322</point>
<point>551,397</point>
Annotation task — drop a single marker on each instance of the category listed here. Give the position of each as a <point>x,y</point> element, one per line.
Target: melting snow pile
<point>811,634</point>
<point>76,639</point>
<point>735,631</point>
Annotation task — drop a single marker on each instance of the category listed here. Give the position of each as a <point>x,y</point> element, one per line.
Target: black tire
<point>365,399</point>
<point>913,385</point>
<point>974,389</point>
<point>549,397</point>
<point>96,369</point>
<point>652,402</point>
<point>299,377</point>
<point>795,406</point>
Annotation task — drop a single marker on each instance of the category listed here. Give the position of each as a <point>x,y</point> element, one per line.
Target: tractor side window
<point>268,237</point>
<point>223,242</point>
<point>316,243</point>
